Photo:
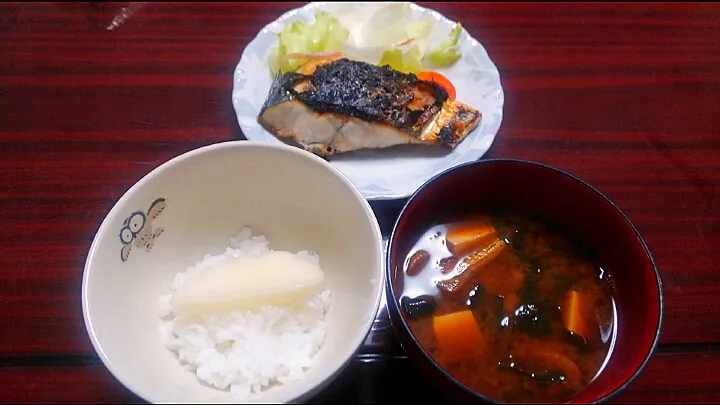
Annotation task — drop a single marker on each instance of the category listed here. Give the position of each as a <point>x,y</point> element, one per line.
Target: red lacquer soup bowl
<point>577,207</point>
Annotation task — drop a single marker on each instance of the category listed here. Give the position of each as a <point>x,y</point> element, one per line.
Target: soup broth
<point>510,306</point>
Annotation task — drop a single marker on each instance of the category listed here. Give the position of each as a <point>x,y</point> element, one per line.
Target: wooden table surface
<point>625,96</point>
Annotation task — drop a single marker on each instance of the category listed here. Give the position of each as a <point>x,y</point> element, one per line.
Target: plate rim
<point>388,194</point>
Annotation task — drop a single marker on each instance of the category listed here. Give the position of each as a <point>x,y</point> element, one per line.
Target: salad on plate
<point>390,93</point>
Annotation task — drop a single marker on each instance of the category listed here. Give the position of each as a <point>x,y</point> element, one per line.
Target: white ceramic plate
<point>396,172</point>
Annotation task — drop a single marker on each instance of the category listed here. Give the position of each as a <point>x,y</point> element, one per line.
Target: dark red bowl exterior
<point>564,199</point>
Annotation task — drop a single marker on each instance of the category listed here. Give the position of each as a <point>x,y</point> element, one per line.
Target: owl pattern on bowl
<point>138,228</point>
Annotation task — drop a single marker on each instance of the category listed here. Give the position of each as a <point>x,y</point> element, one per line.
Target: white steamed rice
<point>246,351</point>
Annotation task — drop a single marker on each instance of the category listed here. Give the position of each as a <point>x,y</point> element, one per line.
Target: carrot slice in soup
<point>458,335</point>
<point>463,239</point>
<point>578,315</point>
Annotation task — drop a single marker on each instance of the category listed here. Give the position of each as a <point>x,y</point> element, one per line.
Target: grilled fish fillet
<point>338,105</point>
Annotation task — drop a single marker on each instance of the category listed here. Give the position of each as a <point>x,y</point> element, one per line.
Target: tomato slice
<point>439,79</point>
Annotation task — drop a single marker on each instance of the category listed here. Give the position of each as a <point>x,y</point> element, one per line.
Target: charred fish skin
<point>279,91</point>
<point>368,92</point>
<point>360,90</point>
<point>340,105</point>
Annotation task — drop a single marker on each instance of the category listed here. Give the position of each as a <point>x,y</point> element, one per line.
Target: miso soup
<point>510,306</point>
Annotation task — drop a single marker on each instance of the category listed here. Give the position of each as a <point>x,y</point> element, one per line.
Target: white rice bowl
<point>299,202</point>
<point>246,352</point>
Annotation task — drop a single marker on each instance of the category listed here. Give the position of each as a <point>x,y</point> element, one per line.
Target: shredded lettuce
<point>325,35</point>
<point>385,35</point>
<point>406,62</point>
<point>386,26</point>
<point>420,31</point>
<point>388,35</point>
<point>408,58</point>
<point>447,53</point>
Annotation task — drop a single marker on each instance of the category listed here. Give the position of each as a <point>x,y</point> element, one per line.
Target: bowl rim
<point>390,287</point>
<point>325,376</point>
